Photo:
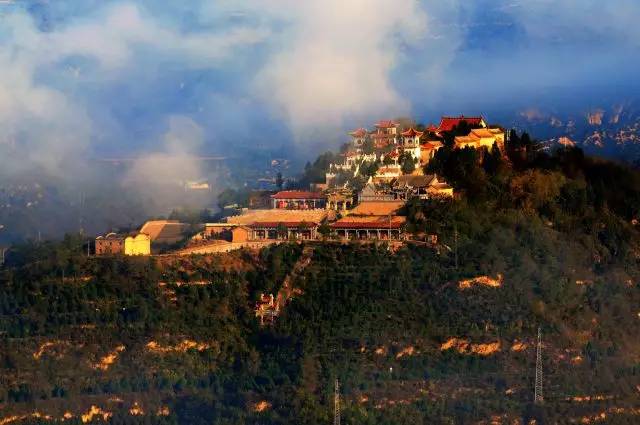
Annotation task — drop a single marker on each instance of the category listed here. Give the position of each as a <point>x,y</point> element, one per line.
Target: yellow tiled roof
<point>466,139</point>
<point>164,229</point>
<point>482,132</point>
<point>279,215</point>
<point>378,208</point>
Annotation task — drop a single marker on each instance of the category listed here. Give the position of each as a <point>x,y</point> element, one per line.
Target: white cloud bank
<point>45,127</point>
<point>334,59</point>
<point>173,162</point>
<point>317,64</point>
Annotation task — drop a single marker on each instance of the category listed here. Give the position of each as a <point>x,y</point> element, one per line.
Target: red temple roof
<point>432,128</point>
<point>448,123</point>
<point>297,194</point>
<point>386,124</point>
<point>412,133</point>
<point>361,132</point>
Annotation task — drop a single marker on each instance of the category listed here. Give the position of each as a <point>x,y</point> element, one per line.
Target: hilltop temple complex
<point>379,159</point>
<point>362,197</point>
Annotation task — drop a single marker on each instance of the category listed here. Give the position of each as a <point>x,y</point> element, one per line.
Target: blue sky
<point>94,77</point>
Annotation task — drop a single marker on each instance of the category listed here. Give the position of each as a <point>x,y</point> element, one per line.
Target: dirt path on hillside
<point>287,291</point>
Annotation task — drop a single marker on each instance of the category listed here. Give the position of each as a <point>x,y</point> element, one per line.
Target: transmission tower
<point>336,404</point>
<point>538,397</point>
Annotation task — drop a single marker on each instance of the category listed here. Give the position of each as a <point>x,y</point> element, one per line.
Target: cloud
<point>46,111</point>
<point>41,126</point>
<point>105,74</point>
<point>334,60</point>
<point>585,21</point>
<point>160,176</point>
<point>113,40</point>
<point>175,162</point>
<point>564,54</point>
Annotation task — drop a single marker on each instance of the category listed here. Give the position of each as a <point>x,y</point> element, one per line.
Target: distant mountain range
<point>611,131</point>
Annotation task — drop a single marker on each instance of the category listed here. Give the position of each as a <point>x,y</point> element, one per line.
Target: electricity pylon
<point>538,397</point>
<point>336,404</point>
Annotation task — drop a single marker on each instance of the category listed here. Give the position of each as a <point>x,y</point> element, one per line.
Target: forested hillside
<point>414,335</point>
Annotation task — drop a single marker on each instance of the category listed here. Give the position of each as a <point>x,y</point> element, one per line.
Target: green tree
<point>324,230</point>
<point>407,163</point>
<point>282,231</point>
<point>368,146</point>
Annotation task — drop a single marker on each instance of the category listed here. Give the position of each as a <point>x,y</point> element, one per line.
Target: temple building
<point>298,200</point>
<point>382,228</point>
<point>298,230</point>
<point>479,138</point>
<point>449,123</point>
<point>423,187</point>
<point>358,137</point>
<point>439,189</point>
<point>139,244</point>
<point>387,173</point>
<point>385,134</point>
<point>371,193</point>
<point>113,244</point>
<point>340,199</point>
<point>411,142</point>
<point>372,220</point>
<point>428,150</point>
<point>110,244</point>
<point>219,231</point>
<point>165,231</point>
<point>270,225</point>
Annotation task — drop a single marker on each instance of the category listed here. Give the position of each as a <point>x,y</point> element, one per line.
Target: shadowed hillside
<point>439,334</point>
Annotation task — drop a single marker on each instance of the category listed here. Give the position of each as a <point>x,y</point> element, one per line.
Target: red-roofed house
<point>428,151</point>
<point>350,159</point>
<point>411,142</point>
<point>432,128</point>
<point>298,200</point>
<point>449,123</point>
<point>385,134</point>
<point>388,125</point>
<point>391,158</point>
<point>358,136</point>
